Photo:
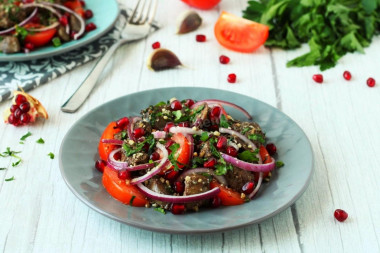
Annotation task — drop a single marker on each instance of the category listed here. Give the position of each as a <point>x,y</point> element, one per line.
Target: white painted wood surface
<point>38,213</point>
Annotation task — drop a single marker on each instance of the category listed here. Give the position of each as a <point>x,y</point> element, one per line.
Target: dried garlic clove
<point>188,21</point>
<point>161,59</point>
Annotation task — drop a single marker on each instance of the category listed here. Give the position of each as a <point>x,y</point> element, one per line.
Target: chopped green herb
<point>160,104</point>
<point>197,162</point>
<point>21,142</point>
<point>56,42</point>
<point>16,163</point>
<point>131,201</point>
<point>173,156</point>
<point>40,141</point>
<point>51,155</point>
<point>204,136</point>
<point>224,121</point>
<point>257,137</point>
<point>246,129</point>
<point>3,168</point>
<point>248,156</point>
<point>11,153</point>
<point>222,167</point>
<point>124,135</point>
<point>23,138</point>
<point>21,32</point>
<point>10,179</point>
<point>279,164</point>
<point>160,209</point>
<point>130,150</point>
<point>177,114</point>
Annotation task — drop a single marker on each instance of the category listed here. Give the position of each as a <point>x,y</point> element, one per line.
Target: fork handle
<point>80,95</point>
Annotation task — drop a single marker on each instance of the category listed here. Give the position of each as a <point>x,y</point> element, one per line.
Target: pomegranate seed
<point>138,132</point>
<point>184,124</point>
<point>25,118</point>
<point>175,105</point>
<point>35,20</point>
<point>154,156</point>
<point>27,1</point>
<point>224,59</point>
<point>216,202</point>
<point>17,122</point>
<point>231,151</point>
<point>214,128</point>
<point>17,113</point>
<point>231,78</point>
<point>72,34</point>
<point>248,188</point>
<point>340,215</point>
<point>88,14</point>
<point>215,112</point>
<point>29,46</point>
<point>13,108</point>
<point>347,75</point>
<point>156,45</point>
<point>122,174</point>
<point>90,27</point>
<point>200,38</point>
<point>171,175</point>
<point>117,156</point>
<point>122,123</point>
<point>168,126</point>
<point>189,102</point>
<point>210,163</point>
<point>25,107</point>
<point>20,99</point>
<point>371,82</point>
<point>178,209</point>
<point>318,78</point>
<point>179,187</point>
<point>64,20</point>
<point>271,148</point>
<point>222,143</point>
<point>100,165</point>
<point>83,3</point>
<point>11,119</point>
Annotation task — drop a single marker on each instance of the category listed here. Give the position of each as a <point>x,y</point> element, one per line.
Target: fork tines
<point>143,12</point>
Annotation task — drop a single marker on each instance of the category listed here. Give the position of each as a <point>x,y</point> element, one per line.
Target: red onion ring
<point>131,168</point>
<point>156,169</point>
<point>112,141</point>
<point>43,6</point>
<point>257,186</point>
<point>221,179</point>
<point>159,134</point>
<point>42,29</point>
<point>249,166</point>
<point>24,22</point>
<point>212,102</point>
<point>117,164</point>
<point>178,199</point>
<point>185,130</point>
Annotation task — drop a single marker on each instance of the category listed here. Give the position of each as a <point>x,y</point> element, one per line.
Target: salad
<point>28,24</point>
<point>180,156</point>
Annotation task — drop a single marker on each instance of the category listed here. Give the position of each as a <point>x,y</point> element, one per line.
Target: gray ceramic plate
<point>78,154</point>
<point>105,15</point>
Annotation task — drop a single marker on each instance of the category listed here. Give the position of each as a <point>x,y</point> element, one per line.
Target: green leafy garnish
<point>56,42</point>
<point>246,129</point>
<point>23,138</point>
<point>204,136</point>
<point>279,164</point>
<point>221,167</point>
<point>173,156</point>
<point>51,155</point>
<point>331,28</point>
<point>10,179</point>
<point>11,153</point>
<point>160,209</point>
<point>124,135</point>
<point>40,141</point>
<point>160,104</point>
<point>224,121</point>
<point>130,150</point>
<point>257,137</point>
<point>197,162</point>
<point>21,32</point>
<point>131,201</point>
<point>3,168</point>
<point>248,156</point>
<point>16,163</point>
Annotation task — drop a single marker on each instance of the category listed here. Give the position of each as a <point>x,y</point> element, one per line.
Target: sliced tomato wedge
<point>108,133</point>
<point>202,4</point>
<point>76,6</point>
<point>40,39</point>
<point>228,196</point>
<point>266,159</point>
<point>117,188</point>
<point>240,34</point>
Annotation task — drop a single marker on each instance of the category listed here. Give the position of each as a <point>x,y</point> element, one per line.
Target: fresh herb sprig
<point>10,153</point>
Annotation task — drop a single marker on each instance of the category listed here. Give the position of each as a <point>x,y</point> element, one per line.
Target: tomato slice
<point>126,194</point>
<point>228,196</point>
<point>240,34</point>
<point>76,6</point>
<point>108,133</point>
<point>182,154</point>
<point>202,4</point>
<point>40,39</point>
<point>266,159</point>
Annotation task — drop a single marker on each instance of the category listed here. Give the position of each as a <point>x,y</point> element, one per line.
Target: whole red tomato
<point>202,4</point>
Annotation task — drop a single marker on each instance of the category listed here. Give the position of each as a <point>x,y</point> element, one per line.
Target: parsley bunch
<point>332,28</point>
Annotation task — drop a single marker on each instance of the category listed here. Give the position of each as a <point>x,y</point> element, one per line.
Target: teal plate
<point>78,154</point>
<point>105,16</point>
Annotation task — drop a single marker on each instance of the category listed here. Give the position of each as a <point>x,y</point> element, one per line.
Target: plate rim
<point>28,57</point>
<point>198,231</point>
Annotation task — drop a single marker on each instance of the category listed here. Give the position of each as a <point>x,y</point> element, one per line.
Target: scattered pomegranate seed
<point>224,59</point>
<point>168,126</point>
<point>117,156</point>
<point>210,163</point>
<point>64,20</point>
<point>29,46</point>
<point>231,78</point>
<point>231,151</point>
<point>122,174</point>
<point>100,165</point>
<point>88,14</point>
<point>20,99</point>
<point>222,143</point>
<point>139,132</point>
<point>189,102</point>
<point>171,175</point>
<point>340,215</point>
<point>175,105</point>
<point>216,202</point>
<point>347,75</point>
<point>371,82</point>
<point>318,78</point>
<point>90,27</point>
<point>122,123</point>
<point>154,156</point>
<point>178,209</point>
<point>25,107</point>
<point>11,119</point>
<point>179,187</point>
<point>83,3</point>
<point>271,148</point>
<point>13,108</point>
<point>184,124</point>
<point>17,113</point>
<point>200,38</point>
<point>156,45</point>
<point>248,188</point>
<point>25,118</point>
<point>215,112</point>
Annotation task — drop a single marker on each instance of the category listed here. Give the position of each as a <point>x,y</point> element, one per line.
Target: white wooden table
<point>38,212</point>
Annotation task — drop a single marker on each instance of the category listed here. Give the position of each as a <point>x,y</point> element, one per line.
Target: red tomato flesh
<point>40,39</point>
<point>202,4</point>
<point>108,133</point>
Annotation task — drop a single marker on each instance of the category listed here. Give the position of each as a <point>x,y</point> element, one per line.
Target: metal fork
<point>137,28</point>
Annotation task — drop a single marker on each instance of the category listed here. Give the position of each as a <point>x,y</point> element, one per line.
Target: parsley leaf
<point>10,179</point>
<point>3,168</point>
<point>224,121</point>
<point>23,138</point>
<point>130,150</point>
<point>246,129</point>
<point>257,137</point>
<point>40,141</point>
<point>16,163</point>
<point>248,156</point>
<point>221,167</point>
<point>204,136</point>
<point>51,155</point>
<point>160,209</point>
<point>11,153</point>
<point>131,201</point>
<point>279,164</point>
<point>173,156</point>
